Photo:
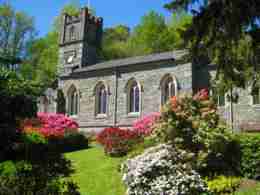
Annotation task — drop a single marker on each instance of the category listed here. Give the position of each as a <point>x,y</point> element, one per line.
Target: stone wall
<point>148,76</point>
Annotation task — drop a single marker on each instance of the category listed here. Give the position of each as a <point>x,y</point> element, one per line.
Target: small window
<point>134,98</point>
<point>101,100</point>
<point>72,34</point>
<point>256,96</point>
<point>168,89</point>
<point>73,102</point>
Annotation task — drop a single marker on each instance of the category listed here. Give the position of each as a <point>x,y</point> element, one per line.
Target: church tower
<point>80,38</point>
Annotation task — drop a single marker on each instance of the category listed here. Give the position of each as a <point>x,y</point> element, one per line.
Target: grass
<point>95,173</point>
<point>249,187</point>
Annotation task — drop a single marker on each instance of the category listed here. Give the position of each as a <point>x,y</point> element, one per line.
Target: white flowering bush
<point>162,170</point>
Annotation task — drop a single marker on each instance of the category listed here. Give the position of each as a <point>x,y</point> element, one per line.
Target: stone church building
<point>115,93</point>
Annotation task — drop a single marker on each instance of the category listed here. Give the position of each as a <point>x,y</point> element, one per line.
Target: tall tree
<point>114,43</point>
<point>218,28</point>
<point>16,32</point>
<point>146,36</point>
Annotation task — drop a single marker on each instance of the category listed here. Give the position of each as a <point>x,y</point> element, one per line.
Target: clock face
<point>69,57</point>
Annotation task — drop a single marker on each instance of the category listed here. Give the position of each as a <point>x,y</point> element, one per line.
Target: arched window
<point>73,101</point>
<point>101,99</point>
<point>168,89</point>
<point>256,95</point>
<point>134,101</point>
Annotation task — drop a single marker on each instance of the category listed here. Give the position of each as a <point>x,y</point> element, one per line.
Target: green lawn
<point>95,173</point>
<point>250,190</point>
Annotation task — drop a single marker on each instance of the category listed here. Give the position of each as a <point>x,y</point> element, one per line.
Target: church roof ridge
<point>156,57</point>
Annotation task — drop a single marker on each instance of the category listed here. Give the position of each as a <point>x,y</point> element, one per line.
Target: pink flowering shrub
<point>50,125</point>
<point>144,126</point>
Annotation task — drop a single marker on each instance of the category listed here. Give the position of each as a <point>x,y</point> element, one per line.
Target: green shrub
<point>42,173</point>
<point>18,99</point>
<point>74,141</point>
<point>192,124</point>
<point>33,138</point>
<point>70,142</point>
<point>223,184</point>
<point>28,179</point>
<point>250,155</point>
<point>7,168</point>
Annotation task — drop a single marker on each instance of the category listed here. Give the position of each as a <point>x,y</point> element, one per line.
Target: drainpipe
<point>116,96</point>
<point>231,109</point>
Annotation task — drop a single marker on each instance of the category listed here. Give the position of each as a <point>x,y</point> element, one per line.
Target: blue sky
<point>114,12</point>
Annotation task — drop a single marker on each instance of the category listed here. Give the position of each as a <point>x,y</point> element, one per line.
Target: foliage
<point>117,141</point>
<point>36,174</point>
<point>70,142</point>
<point>162,170</point>
<point>30,179</point>
<point>146,36</point>
<point>153,34</point>
<point>42,60</point>
<point>115,42</point>
<point>33,138</point>
<point>50,125</point>
<point>250,155</point>
<point>223,184</point>
<point>217,30</point>
<point>16,32</point>
<point>192,124</point>
<point>18,98</point>
<point>144,126</point>
<point>139,148</point>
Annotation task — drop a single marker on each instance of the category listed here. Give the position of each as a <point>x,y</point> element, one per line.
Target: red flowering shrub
<point>50,125</point>
<point>117,141</point>
<point>144,126</point>
<point>191,123</point>
<point>202,95</point>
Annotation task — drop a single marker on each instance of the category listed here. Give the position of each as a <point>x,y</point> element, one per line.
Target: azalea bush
<point>192,124</point>
<point>144,126</point>
<point>117,141</point>
<point>50,125</point>
<point>162,170</point>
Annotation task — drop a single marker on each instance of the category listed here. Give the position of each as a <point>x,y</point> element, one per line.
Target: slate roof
<point>173,55</point>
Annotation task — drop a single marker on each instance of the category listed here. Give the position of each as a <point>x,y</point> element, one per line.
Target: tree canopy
<point>16,32</point>
<point>218,29</point>
<point>152,35</point>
